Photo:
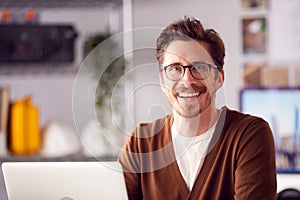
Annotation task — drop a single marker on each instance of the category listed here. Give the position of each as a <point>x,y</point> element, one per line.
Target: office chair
<point>288,194</point>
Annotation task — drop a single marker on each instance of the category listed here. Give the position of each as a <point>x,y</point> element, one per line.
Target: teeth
<point>187,95</point>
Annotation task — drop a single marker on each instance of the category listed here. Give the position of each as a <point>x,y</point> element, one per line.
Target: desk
<point>288,181</point>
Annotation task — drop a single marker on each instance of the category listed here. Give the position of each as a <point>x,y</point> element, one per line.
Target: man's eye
<point>200,67</point>
<point>175,68</point>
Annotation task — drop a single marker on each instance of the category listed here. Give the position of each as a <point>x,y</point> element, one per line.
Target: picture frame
<point>254,35</point>
<point>254,4</point>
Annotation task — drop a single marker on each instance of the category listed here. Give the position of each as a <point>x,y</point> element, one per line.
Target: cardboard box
<point>251,76</point>
<point>297,77</point>
<point>274,77</point>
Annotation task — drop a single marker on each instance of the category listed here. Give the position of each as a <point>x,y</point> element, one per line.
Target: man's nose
<point>188,77</point>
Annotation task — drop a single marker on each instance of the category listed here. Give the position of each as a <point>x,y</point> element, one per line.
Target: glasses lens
<point>174,71</point>
<point>200,70</point>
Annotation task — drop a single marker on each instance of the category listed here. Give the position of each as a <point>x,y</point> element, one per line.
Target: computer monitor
<point>280,107</point>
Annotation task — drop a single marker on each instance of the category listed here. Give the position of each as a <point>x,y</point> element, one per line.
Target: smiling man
<point>199,151</point>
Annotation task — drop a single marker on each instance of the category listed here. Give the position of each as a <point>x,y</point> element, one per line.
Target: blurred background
<point>51,107</point>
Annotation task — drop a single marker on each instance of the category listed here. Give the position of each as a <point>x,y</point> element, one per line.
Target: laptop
<point>64,180</point>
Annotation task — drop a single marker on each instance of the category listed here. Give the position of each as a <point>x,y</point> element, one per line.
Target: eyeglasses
<point>198,70</point>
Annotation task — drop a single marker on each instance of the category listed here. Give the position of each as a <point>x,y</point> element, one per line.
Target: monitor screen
<point>280,108</point>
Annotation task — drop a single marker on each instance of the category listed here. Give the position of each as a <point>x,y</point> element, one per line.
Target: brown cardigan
<point>240,163</point>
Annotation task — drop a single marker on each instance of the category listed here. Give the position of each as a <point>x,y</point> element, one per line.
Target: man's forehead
<point>190,50</point>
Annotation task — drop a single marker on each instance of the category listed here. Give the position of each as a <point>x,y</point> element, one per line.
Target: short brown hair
<point>188,29</point>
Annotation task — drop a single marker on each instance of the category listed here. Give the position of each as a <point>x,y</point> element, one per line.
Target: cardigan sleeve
<point>129,160</point>
<point>255,175</point>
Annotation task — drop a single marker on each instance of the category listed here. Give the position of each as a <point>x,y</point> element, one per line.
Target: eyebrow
<point>193,63</point>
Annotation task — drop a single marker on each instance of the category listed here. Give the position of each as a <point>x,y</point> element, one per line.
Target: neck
<point>197,125</point>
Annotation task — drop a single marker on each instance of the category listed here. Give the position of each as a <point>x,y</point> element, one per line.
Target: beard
<point>192,100</point>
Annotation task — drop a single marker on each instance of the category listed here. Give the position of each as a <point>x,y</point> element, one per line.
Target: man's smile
<point>191,92</point>
<point>187,95</point>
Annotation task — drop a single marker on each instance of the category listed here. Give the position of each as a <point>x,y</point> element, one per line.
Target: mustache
<point>190,88</point>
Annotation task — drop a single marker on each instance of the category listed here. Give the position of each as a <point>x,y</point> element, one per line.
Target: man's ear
<point>161,82</point>
<point>220,79</point>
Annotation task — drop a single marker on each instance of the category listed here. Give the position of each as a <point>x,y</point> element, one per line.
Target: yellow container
<point>32,129</point>
<point>25,136</point>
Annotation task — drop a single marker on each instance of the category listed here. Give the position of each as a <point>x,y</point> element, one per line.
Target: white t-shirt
<point>190,153</point>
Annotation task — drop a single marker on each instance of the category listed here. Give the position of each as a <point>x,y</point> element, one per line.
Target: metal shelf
<point>58,3</point>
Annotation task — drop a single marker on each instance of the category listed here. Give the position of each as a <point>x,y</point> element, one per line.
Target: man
<point>198,151</point>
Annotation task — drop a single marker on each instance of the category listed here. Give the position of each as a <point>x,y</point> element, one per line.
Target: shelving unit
<point>51,84</point>
<point>44,4</point>
<point>254,40</point>
<point>274,69</point>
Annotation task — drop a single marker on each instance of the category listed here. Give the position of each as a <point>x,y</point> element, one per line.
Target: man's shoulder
<point>239,122</point>
<point>148,129</point>
<point>234,115</point>
<point>160,121</point>
<point>242,122</point>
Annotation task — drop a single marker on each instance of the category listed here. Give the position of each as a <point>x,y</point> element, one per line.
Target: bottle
<point>25,138</point>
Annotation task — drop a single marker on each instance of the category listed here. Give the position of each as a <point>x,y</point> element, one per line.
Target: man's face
<point>189,96</point>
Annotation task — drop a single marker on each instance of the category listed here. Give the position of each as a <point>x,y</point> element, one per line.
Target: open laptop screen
<point>64,180</point>
<point>280,108</point>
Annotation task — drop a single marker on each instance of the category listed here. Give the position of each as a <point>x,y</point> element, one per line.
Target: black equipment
<point>32,43</point>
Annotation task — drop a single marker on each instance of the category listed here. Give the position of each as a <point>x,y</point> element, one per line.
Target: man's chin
<point>191,113</point>
<point>187,114</point>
